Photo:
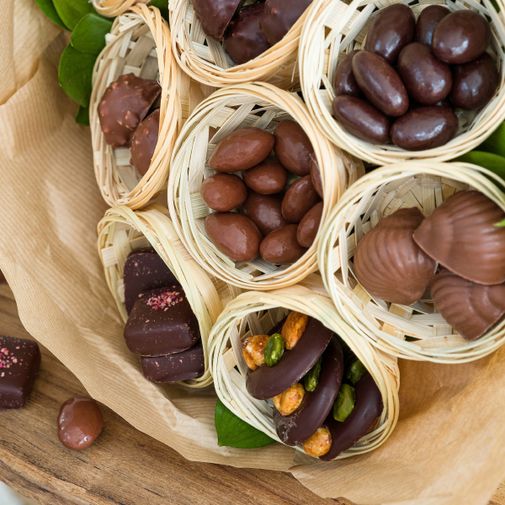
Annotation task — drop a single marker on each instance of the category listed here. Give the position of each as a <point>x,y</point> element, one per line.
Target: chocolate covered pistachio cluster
<point>324,399</point>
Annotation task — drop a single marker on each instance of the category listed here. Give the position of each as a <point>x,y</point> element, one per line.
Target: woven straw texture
<point>138,43</point>
<point>122,231</point>
<point>262,106</point>
<point>113,8</point>
<point>204,58</point>
<point>256,313</point>
<point>333,27</point>
<point>414,332</point>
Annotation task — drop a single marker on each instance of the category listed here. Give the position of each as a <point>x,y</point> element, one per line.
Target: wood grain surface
<point>124,466</point>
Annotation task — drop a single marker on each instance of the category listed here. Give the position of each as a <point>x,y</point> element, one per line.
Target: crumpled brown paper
<point>449,446</point>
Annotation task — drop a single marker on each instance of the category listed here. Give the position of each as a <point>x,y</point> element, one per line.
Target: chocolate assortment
<point>267,193</point>
<point>407,83</point>
<point>323,398</point>
<point>161,328</point>
<point>248,30</point>
<point>397,261</point>
<point>129,117</point>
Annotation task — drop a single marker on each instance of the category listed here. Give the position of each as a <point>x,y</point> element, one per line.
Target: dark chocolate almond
<point>316,406</point>
<point>266,382</point>
<point>389,264</point>
<point>215,15</point>
<point>462,235</point>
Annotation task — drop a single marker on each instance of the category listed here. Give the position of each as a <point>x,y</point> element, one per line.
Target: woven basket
<point>414,332</point>
<point>139,43</point>
<point>256,313</point>
<point>333,27</point>
<point>122,231</point>
<point>113,8</point>
<point>204,58</point>
<point>263,106</point>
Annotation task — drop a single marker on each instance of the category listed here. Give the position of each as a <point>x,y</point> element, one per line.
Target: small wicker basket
<point>122,231</point>
<point>205,59</point>
<point>418,331</point>
<point>139,43</point>
<point>334,27</point>
<point>256,313</point>
<point>113,8</point>
<point>263,106</point>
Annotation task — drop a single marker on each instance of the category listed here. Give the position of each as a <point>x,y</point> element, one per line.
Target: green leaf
<point>501,224</point>
<point>71,11</point>
<point>491,161</point>
<point>47,7</point>
<point>89,34</point>
<point>496,142</point>
<point>233,432</point>
<point>162,6</point>
<point>74,74</point>
<point>82,116</point>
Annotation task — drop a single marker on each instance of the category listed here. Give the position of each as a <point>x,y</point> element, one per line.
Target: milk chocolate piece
<point>471,309</point>
<point>389,264</point>
<point>293,147</point>
<point>161,322</point>
<point>367,409</point>
<point>280,16</point>
<point>182,366</point>
<point>144,270</point>
<point>124,105</point>
<point>281,247</point>
<point>144,142</point>
<point>19,365</point>
<point>316,406</point>
<point>80,423</point>
<point>266,382</point>
<point>462,235</point>
<point>215,15</point>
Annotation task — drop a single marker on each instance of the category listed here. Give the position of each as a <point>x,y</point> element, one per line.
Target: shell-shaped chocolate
<point>389,264</point>
<point>462,235</point>
<point>471,309</point>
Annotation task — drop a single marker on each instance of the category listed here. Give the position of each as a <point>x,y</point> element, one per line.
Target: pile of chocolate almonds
<point>457,253</point>
<point>410,78</point>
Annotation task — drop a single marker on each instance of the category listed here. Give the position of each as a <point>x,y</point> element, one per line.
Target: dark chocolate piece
<point>244,40</point>
<point>316,406</point>
<point>367,409</point>
<point>80,423</point>
<point>161,322</point>
<point>280,16</point>
<point>124,105</point>
<point>344,81</point>
<point>144,270</point>
<point>183,366</point>
<point>19,365</point>
<point>428,21</point>
<point>215,15</point>
<point>144,142</point>
<point>266,382</point>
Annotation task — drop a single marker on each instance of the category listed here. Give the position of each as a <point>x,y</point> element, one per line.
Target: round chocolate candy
<point>315,178</point>
<point>241,150</point>
<point>461,37</point>
<point>427,79</point>
<point>80,423</point>
<point>427,22</point>
<point>293,147</point>
<point>266,382</point>
<point>223,192</point>
<point>361,119</point>
<point>234,234</point>
<point>475,83</point>
<point>344,81</point>
<point>267,178</point>
<point>144,142</point>
<point>280,16</point>
<point>264,211</point>
<point>390,29</point>
<point>299,199</point>
<point>124,105</point>
<point>280,247</point>
<point>244,40</point>
<point>309,225</point>
<point>215,15</point>
<point>380,83</point>
<point>297,427</point>
<point>424,128</point>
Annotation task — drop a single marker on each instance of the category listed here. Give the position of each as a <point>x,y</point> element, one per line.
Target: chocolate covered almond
<point>389,264</point>
<point>144,142</point>
<point>462,235</point>
<point>215,15</point>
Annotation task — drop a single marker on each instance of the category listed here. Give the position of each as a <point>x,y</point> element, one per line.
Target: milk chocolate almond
<point>389,264</point>
<point>462,235</point>
<point>471,309</point>
<point>280,246</point>
<point>293,147</point>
